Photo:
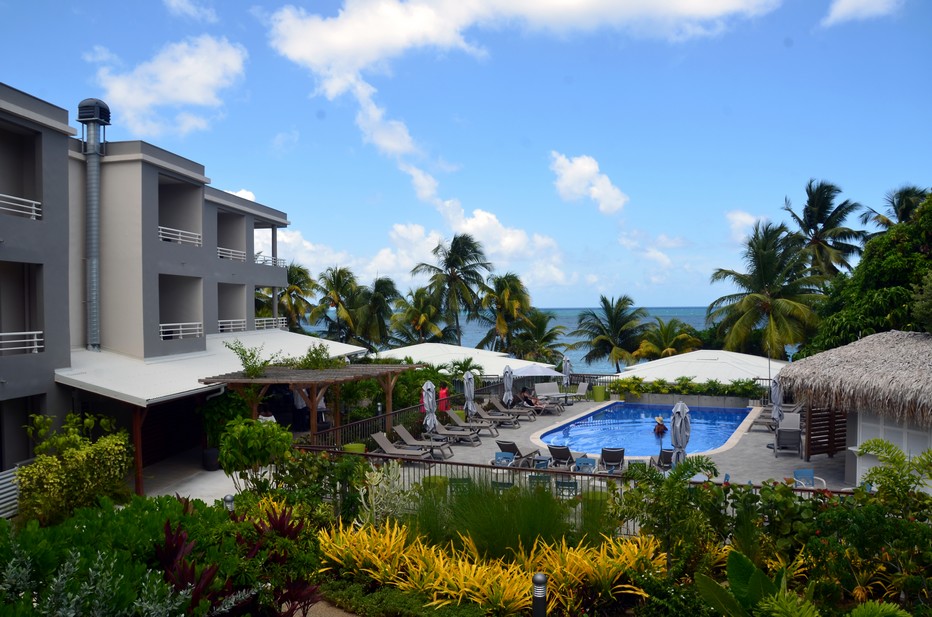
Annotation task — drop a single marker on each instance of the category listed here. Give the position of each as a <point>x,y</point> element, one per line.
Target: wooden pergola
<point>313,385</point>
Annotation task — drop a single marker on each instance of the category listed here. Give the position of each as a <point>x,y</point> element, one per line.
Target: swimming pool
<point>632,427</point>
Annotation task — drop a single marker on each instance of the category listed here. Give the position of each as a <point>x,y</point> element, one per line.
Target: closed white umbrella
<point>679,431</point>
<point>567,371</point>
<point>776,399</point>
<point>469,391</point>
<point>508,381</point>
<point>429,394</point>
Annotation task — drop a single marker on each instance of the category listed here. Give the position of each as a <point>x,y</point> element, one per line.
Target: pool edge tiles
<point>741,429</point>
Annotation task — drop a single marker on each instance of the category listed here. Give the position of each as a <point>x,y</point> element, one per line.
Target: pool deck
<point>745,457</point>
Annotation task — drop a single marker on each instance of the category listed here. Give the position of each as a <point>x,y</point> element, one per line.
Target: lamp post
<point>539,599</point>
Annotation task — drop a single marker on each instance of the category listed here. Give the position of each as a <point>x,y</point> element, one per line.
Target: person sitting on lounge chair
<point>532,401</point>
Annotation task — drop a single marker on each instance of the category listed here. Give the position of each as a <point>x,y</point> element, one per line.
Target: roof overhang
<point>146,382</point>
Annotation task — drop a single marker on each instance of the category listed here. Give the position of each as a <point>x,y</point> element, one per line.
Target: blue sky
<point>604,147</point>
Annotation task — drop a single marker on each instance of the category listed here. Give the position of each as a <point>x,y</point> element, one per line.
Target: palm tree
<point>373,312</point>
<point>900,206</point>
<point>827,242</point>
<point>293,302</point>
<point>777,293</point>
<point>663,339</point>
<point>417,319</point>
<point>535,340</point>
<point>613,331</point>
<point>457,278</point>
<point>504,305</point>
<point>338,291</point>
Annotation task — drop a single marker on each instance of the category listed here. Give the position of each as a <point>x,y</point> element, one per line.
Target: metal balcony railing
<point>233,254</point>
<point>271,323</point>
<point>22,342</point>
<point>179,236</point>
<point>20,207</point>
<point>265,260</point>
<point>172,331</point>
<point>231,325</point>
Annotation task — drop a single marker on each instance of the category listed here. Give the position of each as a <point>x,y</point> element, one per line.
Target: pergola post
<point>139,416</point>
<point>388,385</point>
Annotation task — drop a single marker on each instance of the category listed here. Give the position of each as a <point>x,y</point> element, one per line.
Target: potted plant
<point>217,412</point>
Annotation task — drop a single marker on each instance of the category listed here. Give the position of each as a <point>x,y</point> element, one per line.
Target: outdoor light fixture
<point>228,502</point>
<point>539,597</point>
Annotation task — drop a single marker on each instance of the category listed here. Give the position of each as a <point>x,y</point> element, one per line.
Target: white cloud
<point>285,141</point>
<point>191,10</point>
<point>659,257</point>
<point>667,242</point>
<point>740,224</point>
<point>580,177</point>
<point>100,55</point>
<point>848,10</point>
<point>244,193</point>
<point>182,77</point>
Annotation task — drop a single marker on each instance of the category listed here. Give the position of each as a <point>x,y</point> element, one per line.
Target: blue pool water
<point>632,427</point>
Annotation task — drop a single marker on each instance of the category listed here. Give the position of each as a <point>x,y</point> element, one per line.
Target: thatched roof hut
<point>889,374</point>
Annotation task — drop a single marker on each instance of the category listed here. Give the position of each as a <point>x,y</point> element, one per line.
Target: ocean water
<point>568,318</point>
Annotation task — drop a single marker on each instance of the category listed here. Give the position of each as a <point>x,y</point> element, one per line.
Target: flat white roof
<point>154,380</point>
<point>706,364</point>
<point>492,362</point>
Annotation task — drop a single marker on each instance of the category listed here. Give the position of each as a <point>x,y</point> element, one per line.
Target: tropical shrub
<point>75,472</point>
<point>248,450</point>
<point>218,411</point>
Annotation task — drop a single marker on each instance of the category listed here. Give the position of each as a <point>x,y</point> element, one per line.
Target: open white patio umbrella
<point>776,399</point>
<point>679,431</point>
<point>536,370</point>
<point>508,381</point>
<point>469,391</point>
<point>429,393</point>
<point>567,371</point>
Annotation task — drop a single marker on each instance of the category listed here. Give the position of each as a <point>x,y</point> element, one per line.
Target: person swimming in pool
<point>660,429</point>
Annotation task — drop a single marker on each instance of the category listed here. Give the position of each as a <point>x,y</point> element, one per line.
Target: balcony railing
<point>225,253</point>
<point>22,342</point>
<point>20,207</point>
<point>172,331</point>
<point>231,325</point>
<point>271,323</point>
<point>265,260</point>
<point>179,236</point>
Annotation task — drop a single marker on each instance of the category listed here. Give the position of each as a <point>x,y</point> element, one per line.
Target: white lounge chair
<point>788,436</point>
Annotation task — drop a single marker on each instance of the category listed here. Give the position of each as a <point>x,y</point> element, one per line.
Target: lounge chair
<point>522,459</point>
<point>456,435</point>
<point>503,459</point>
<point>664,460</point>
<point>427,444</point>
<point>561,456</point>
<point>478,425</point>
<point>519,410</point>
<point>582,391</point>
<point>806,478</point>
<point>547,389</point>
<point>386,446</point>
<point>498,419</point>
<point>612,460</point>
<point>584,464</point>
<point>788,436</point>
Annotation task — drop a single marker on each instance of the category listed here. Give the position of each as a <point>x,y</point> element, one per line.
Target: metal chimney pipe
<point>93,113</point>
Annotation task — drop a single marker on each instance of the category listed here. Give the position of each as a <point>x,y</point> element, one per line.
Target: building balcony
<point>233,254</point>
<point>231,325</point>
<point>17,206</point>
<point>180,236</point>
<point>21,342</point>
<point>182,330</point>
<point>271,323</point>
<point>265,260</point>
